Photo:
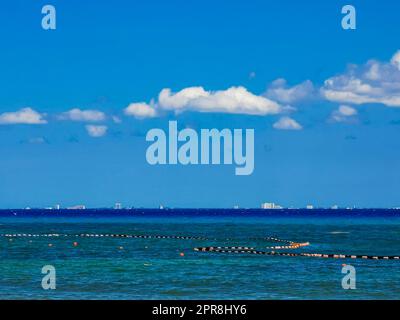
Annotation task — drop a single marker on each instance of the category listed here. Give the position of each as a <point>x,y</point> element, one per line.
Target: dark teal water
<point>154,269</point>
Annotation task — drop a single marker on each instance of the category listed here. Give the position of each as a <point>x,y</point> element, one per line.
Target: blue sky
<point>335,139</point>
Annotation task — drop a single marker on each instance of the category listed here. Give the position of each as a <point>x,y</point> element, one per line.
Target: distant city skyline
<point>263,206</point>
<point>77,102</point>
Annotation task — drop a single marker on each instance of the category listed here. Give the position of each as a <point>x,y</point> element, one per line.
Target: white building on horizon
<point>77,207</point>
<point>270,205</point>
<point>118,206</point>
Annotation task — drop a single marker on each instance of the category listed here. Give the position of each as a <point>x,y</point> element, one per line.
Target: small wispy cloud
<point>287,123</point>
<point>116,119</point>
<point>96,131</point>
<point>344,114</point>
<point>280,91</point>
<point>141,110</point>
<point>23,116</point>
<point>35,140</point>
<point>83,115</point>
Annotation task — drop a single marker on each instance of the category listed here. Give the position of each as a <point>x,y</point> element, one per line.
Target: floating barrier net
<point>285,245</point>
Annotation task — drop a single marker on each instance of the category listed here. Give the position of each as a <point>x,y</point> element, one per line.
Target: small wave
<point>338,232</point>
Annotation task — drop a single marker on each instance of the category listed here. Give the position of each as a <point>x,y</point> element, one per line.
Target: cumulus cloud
<point>83,115</point>
<point>23,116</point>
<point>373,82</point>
<point>237,100</point>
<point>344,114</point>
<point>286,123</point>
<point>96,131</point>
<point>141,110</point>
<point>396,59</point>
<point>280,91</point>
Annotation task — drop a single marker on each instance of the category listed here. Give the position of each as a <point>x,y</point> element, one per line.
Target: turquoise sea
<point>136,268</point>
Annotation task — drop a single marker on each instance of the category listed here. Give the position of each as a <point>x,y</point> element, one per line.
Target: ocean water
<point>126,268</point>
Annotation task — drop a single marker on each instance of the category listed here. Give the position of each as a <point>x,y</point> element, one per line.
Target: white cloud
<point>141,110</point>
<point>96,131</point>
<point>344,114</point>
<point>396,59</point>
<point>83,115</point>
<point>374,82</point>
<point>237,100</point>
<point>23,116</point>
<point>347,111</point>
<point>280,91</point>
<point>286,123</point>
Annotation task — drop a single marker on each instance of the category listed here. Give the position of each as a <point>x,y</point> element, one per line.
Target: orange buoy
<point>75,244</point>
<point>182,254</point>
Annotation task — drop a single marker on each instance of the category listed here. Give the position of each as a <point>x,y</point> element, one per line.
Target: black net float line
<point>293,245</point>
<point>274,253</point>
<point>282,247</point>
<point>95,235</point>
<point>238,249</point>
<point>49,235</point>
<point>278,240</point>
<point>243,248</point>
<point>107,235</point>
